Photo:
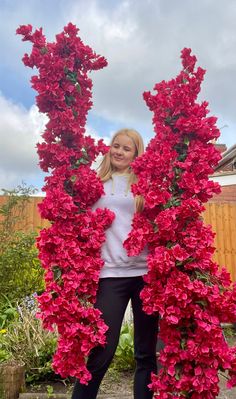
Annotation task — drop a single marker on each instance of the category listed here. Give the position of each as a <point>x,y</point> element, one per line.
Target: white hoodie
<point>120,200</point>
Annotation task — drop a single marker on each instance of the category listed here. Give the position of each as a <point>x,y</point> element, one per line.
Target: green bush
<point>4,355</point>
<point>124,356</point>
<point>20,270</point>
<point>8,313</point>
<point>26,341</point>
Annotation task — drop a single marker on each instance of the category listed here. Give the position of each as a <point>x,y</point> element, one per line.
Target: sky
<point>141,40</point>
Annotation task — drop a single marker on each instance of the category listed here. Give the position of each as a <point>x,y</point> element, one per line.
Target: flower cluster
<point>70,250</point>
<point>183,283</point>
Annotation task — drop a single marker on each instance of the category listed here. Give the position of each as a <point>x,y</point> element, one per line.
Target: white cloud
<point>142,42</point>
<point>92,132</point>
<point>19,132</point>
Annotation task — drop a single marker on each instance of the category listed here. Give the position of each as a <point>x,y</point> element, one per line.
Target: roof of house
<point>228,159</point>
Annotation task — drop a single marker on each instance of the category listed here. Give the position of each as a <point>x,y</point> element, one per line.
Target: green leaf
<point>69,100</point>
<point>186,140</point>
<point>182,157</point>
<point>174,201</point>
<point>43,50</point>
<point>54,294</point>
<point>75,113</point>
<point>155,227</point>
<point>168,120</point>
<point>10,312</point>
<point>178,171</point>
<point>178,263</point>
<point>72,76</point>
<point>80,161</point>
<point>56,273</point>
<point>184,393</point>
<point>78,87</point>
<point>183,343</point>
<point>73,179</point>
<point>203,303</point>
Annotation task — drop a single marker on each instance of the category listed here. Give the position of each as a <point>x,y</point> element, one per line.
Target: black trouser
<point>112,299</point>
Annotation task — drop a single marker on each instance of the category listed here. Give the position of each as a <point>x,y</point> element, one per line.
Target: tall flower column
<point>70,249</point>
<point>184,284</point>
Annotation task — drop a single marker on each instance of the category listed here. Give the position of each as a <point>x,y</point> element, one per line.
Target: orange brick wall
<point>228,194</point>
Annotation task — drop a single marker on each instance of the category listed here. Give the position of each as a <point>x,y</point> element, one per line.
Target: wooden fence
<point>221,216</point>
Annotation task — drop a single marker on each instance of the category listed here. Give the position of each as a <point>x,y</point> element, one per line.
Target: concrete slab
<point>224,394</point>
<point>65,396</point>
<point>227,394</point>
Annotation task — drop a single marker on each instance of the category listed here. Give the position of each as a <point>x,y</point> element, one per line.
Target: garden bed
<point>113,383</point>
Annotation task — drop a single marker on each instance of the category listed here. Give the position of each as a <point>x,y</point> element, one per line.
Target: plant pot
<point>12,380</point>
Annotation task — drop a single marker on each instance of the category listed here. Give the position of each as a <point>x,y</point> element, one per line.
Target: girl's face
<point>122,153</point>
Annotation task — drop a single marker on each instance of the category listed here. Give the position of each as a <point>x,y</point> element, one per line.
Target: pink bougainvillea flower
<point>192,295</point>
<point>70,250</point>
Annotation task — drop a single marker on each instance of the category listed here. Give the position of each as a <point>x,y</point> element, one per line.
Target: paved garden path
<point>65,396</point>
<point>224,394</point>
<point>124,393</point>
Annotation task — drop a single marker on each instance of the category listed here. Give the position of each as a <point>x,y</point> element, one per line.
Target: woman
<point>121,276</point>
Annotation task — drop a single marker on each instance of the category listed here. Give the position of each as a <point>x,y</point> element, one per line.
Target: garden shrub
<point>20,270</point>
<point>25,340</point>
<point>8,313</point>
<point>124,356</point>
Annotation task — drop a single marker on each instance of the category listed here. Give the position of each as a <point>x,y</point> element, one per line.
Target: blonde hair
<point>105,169</point>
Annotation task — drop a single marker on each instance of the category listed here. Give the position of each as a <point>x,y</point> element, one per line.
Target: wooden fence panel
<point>30,218</point>
<point>221,216</point>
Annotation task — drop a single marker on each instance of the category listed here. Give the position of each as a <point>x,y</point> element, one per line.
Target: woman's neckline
<point>120,174</point>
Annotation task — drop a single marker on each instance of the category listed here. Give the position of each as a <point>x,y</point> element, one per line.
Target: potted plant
<point>12,376</point>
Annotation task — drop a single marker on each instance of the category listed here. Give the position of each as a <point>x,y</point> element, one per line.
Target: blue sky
<point>141,40</point>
